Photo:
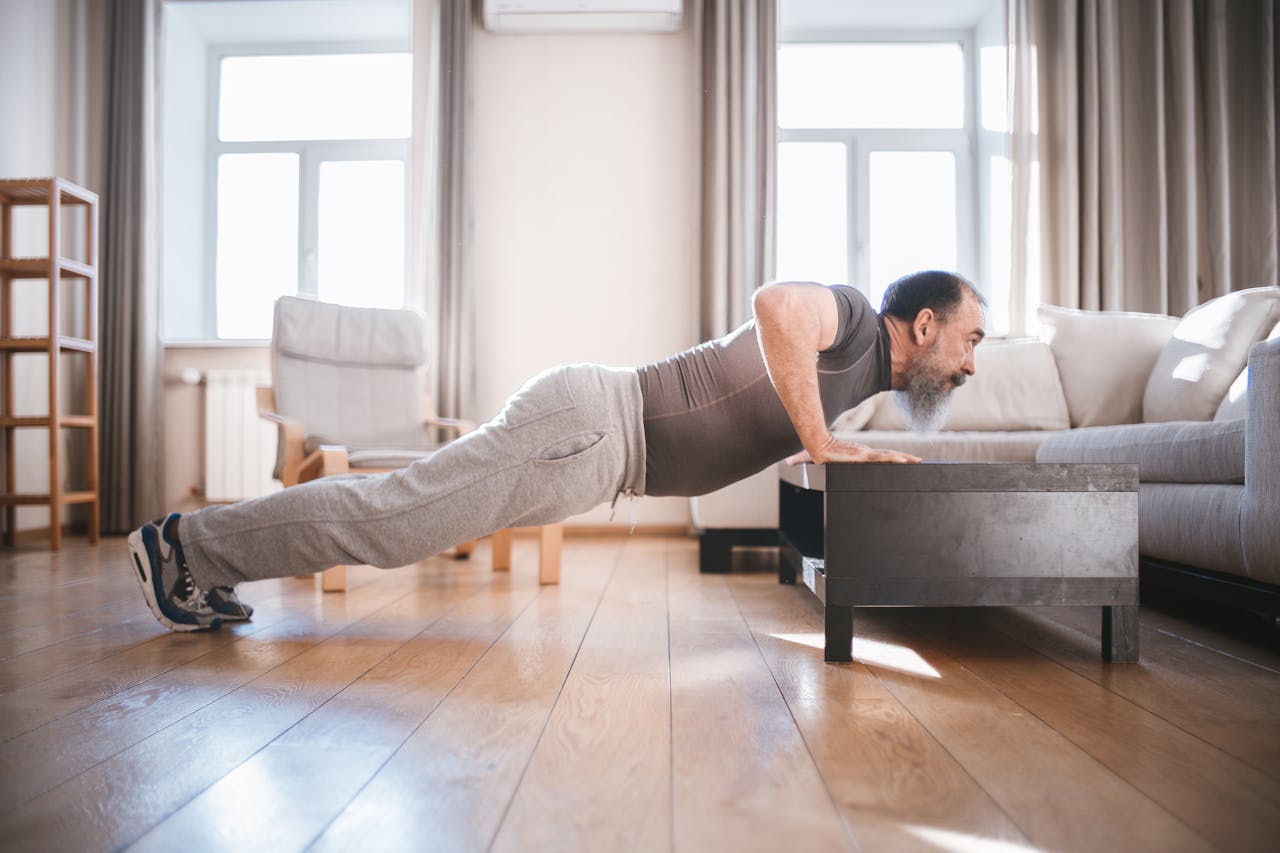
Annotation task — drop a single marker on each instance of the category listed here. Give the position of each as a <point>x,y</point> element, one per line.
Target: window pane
<point>812,225</point>
<point>913,215</point>
<point>871,85</point>
<point>337,96</point>
<point>257,254</point>
<point>362,233</point>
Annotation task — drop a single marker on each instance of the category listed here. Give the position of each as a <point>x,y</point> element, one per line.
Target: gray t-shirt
<point>712,416</point>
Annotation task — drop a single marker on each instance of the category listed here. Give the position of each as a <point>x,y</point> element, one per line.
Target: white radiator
<point>239,446</point>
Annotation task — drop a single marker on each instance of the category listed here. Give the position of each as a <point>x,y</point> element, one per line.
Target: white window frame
<point>860,142</point>
<point>311,153</point>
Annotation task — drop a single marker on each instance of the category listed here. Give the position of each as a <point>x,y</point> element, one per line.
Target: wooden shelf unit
<point>54,194</point>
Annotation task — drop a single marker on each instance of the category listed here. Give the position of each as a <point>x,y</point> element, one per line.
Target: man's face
<point>941,367</point>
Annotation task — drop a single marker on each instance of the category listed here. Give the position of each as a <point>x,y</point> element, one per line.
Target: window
<point>284,160</point>
<point>875,165</point>
<point>309,158</point>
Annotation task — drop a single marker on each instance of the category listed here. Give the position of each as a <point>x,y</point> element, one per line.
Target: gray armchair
<point>347,397</point>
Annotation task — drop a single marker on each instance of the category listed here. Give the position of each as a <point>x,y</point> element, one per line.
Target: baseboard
<point>37,535</point>
<point>614,530</point>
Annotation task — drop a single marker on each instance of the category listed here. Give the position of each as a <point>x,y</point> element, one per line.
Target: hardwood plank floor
<point>638,705</point>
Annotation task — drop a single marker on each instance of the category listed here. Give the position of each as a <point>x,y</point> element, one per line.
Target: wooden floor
<point>636,706</point>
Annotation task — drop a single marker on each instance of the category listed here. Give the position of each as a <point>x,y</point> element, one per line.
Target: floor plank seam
<point>477,590</point>
<point>1081,748</point>
<point>1192,642</point>
<point>443,697</point>
<point>850,834</point>
<point>506,810</point>
<point>231,689</point>
<point>961,765</point>
<point>1272,773</point>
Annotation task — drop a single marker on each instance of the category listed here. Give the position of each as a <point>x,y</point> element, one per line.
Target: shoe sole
<point>141,559</point>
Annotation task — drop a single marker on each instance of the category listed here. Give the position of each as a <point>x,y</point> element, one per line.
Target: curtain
<point>739,61</point>
<point>441,38</point>
<point>1144,148</point>
<point>131,401</point>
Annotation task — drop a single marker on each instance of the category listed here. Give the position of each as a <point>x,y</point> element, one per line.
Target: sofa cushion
<point>1175,452</point>
<point>984,446</point>
<point>1206,353</point>
<point>1014,387</point>
<point>1104,359</point>
<point>1233,404</point>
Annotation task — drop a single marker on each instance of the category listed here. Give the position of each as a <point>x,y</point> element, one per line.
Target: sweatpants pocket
<point>569,448</point>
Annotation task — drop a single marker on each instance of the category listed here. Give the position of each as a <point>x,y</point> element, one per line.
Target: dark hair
<point>941,291</point>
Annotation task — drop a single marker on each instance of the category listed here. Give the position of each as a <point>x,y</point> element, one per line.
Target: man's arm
<point>794,322</point>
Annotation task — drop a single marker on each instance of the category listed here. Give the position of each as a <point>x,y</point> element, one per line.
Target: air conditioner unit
<point>582,16</point>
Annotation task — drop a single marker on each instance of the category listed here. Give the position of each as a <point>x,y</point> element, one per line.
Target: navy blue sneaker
<point>224,601</point>
<point>168,587</point>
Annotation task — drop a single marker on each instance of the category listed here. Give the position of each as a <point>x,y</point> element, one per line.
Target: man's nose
<point>970,366</point>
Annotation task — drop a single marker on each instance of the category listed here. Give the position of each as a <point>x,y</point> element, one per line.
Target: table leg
<point>1120,633</point>
<point>839,630</point>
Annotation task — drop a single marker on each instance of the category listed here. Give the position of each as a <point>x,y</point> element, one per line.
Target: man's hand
<point>846,451</point>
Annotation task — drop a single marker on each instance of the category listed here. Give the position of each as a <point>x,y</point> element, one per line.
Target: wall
<point>50,55</point>
<point>583,175</point>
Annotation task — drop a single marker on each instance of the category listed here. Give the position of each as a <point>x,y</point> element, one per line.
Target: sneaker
<point>224,601</point>
<point>168,587</point>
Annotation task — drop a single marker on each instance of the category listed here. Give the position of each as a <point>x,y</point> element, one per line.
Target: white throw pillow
<point>1015,387</point>
<point>1233,405</point>
<point>1208,350</point>
<point>1104,359</point>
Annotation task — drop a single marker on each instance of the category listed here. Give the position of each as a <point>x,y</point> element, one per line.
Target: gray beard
<point>927,398</point>
<point>926,410</point>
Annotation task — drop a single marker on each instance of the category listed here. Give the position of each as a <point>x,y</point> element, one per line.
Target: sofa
<point>1194,401</point>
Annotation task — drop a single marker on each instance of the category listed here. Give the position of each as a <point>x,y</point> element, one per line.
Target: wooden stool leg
<point>502,551</point>
<point>334,580</point>
<point>550,540</point>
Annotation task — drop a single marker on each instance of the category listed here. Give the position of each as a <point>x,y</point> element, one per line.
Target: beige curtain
<point>131,401</point>
<point>1144,148</point>
<point>441,37</point>
<point>739,60</point>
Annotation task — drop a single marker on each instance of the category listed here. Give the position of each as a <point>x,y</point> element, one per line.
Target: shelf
<point>39,268</point>
<point>39,190</point>
<point>65,343</point>
<point>63,276</point>
<point>43,500</point>
<point>70,421</point>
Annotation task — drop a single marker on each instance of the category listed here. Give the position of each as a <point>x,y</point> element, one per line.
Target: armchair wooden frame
<point>299,466</point>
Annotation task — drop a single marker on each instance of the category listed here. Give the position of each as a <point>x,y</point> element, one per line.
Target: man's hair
<point>941,291</point>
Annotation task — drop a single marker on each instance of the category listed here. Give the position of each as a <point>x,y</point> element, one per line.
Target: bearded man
<point>580,435</point>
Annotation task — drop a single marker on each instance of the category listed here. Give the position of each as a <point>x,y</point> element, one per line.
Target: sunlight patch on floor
<point>874,652</point>
<point>962,842</point>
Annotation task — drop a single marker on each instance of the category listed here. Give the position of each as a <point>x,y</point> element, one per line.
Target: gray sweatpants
<point>570,439</point>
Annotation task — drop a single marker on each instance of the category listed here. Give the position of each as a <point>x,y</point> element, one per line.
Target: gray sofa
<point>1195,401</point>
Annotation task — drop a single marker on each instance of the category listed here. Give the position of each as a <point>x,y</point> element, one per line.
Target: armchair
<point>347,397</point>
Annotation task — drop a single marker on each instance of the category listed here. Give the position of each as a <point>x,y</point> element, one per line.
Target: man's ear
<point>926,324</point>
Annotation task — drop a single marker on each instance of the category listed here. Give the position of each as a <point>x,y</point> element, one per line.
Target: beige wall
<point>584,191</point>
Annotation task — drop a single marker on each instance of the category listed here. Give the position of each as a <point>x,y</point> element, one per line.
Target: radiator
<point>239,447</point>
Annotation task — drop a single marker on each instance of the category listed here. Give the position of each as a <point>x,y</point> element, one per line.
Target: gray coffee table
<point>963,534</point>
